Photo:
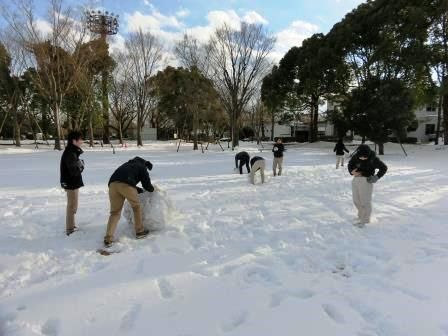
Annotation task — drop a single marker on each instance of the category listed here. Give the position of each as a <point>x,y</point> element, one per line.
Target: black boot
<point>142,234</point>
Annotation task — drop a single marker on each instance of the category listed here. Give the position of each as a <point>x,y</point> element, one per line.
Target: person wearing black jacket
<point>258,164</point>
<point>278,151</point>
<point>241,159</point>
<point>71,168</point>
<point>123,186</point>
<point>364,166</point>
<point>339,149</point>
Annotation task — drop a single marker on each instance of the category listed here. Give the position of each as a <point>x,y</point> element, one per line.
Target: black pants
<point>241,164</point>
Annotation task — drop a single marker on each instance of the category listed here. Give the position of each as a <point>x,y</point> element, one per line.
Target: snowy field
<point>276,259</point>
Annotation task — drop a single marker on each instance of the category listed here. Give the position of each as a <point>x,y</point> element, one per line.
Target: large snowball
<point>156,209</point>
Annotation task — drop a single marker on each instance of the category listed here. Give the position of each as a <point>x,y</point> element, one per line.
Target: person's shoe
<point>108,242</point>
<point>69,232</point>
<point>142,234</point>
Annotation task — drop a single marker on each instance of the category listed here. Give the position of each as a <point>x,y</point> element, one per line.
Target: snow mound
<point>156,210</point>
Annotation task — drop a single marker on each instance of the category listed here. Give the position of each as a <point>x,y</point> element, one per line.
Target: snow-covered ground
<point>276,259</point>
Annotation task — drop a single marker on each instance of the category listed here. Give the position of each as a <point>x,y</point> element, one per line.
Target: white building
<point>425,130</point>
<point>426,124</point>
<point>280,131</point>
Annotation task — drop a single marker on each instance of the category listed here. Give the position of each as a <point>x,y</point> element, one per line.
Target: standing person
<point>363,167</point>
<point>123,186</point>
<point>278,151</point>
<point>258,164</point>
<point>71,168</point>
<point>340,149</point>
<point>241,159</point>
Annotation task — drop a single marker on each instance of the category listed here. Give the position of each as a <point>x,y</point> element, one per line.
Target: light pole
<point>104,24</point>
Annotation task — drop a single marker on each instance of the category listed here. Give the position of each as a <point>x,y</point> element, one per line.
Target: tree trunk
<point>316,122</point>
<point>195,131</point>
<point>439,119</point>
<point>272,125</point>
<point>105,105</point>
<point>17,134</point>
<point>57,121</point>
<point>381,148</point>
<point>120,133</point>
<point>445,119</point>
<point>91,136</point>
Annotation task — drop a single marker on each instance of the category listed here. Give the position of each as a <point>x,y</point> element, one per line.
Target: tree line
<point>377,64</point>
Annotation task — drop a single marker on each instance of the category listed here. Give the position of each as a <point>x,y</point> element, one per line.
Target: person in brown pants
<point>71,168</point>
<point>123,186</point>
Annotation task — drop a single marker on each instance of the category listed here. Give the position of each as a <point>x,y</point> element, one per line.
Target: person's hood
<point>365,151</point>
<point>139,160</point>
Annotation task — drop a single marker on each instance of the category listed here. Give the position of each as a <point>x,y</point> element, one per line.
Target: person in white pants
<point>363,167</point>
<point>340,151</point>
<point>257,164</point>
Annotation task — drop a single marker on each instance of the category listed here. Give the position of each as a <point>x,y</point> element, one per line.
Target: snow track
<point>275,259</point>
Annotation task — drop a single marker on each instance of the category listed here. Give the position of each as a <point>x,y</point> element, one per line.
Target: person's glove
<point>373,179</point>
<point>275,149</point>
<point>81,165</point>
<point>140,190</point>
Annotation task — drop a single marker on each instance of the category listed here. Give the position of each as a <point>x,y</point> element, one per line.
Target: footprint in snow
<point>129,318</point>
<point>333,313</point>
<point>235,322</point>
<point>51,327</point>
<point>278,297</point>
<point>260,275</point>
<point>166,289</point>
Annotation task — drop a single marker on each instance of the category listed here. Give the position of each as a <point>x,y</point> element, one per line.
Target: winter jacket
<point>340,148</point>
<point>278,150</point>
<point>367,167</point>
<point>132,173</point>
<point>243,158</point>
<point>255,159</point>
<point>71,168</point>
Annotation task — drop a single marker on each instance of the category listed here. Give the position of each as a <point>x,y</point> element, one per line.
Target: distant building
<point>280,131</point>
<point>423,131</point>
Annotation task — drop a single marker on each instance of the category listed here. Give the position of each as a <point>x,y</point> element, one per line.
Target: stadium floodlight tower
<point>104,24</point>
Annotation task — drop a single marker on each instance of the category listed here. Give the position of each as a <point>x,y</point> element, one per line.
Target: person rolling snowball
<point>363,167</point>
<point>278,151</point>
<point>71,168</point>
<point>241,159</point>
<point>123,186</point>
<point>339,149</point>
<point>257,163</point>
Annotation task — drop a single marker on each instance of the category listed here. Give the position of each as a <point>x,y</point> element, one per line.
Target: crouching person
<point>71,177</point>
<point>258,164</point>
<point>363,167</point>
<point>241,159</point>
<point>123,186</point>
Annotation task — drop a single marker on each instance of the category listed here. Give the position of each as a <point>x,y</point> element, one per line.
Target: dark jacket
<point>255,159</point>
<point>243,159</point>
<point>133,172</point>
<point>278,150</point>
<point>340,148</point>
<point>367,167</point>
<point>71,168</point>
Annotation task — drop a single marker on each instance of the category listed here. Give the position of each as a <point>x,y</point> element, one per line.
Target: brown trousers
<point>72,208</point>
<point>118,193</point>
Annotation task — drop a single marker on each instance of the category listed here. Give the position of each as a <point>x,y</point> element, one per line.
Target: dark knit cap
<point>363,151</point>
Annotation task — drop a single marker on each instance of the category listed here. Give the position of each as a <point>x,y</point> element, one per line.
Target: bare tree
<point>53,50</point>
<point>193,54</point>
<point>239,61</point>
<point>145,53</point>
<point>121,103</point>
